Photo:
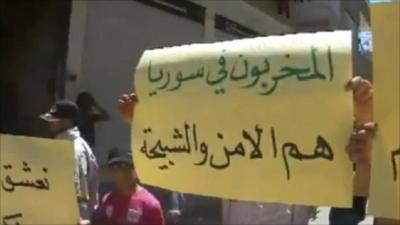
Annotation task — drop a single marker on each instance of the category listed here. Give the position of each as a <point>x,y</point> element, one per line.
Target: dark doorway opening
<point>33,47</point>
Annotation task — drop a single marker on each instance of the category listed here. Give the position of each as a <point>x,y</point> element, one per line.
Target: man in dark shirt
<point>89,113</point>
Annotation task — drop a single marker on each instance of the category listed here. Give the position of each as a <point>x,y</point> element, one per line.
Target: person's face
<point>123,175</point>
<point>55,127</point>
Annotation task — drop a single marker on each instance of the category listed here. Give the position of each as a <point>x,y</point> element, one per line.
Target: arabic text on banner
<point>37,182</point>
<point>264,119</point>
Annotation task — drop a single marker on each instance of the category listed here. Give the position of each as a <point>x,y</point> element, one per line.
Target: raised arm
<point>100,113</point>
<point>126,106</point>
<point>360,142</point>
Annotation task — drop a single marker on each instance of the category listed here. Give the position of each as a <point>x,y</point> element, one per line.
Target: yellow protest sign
<point>263,119</point>
<point>385,175</point>
<point>37,181</point>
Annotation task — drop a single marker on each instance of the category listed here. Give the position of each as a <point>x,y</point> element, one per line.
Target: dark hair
<point>118,156</point>
<point>84,99</point>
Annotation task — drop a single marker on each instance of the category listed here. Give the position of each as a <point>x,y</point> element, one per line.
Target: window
<point>364,36</point>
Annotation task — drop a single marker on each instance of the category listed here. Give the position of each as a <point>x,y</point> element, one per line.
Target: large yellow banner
<point>37,182</point>
<point>385,175</point>
<point>263,119</point>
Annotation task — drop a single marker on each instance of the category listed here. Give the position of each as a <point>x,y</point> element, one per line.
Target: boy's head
<point>121,168</point>
<point>85,100</point>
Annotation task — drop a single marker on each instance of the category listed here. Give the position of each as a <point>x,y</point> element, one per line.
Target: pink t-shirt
<point>141,208</point>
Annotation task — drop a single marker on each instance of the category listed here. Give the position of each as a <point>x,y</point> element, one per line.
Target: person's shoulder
<point>78,147</point>
<point>148,198</point>
<point>111,198</point>
<point>84,146</point>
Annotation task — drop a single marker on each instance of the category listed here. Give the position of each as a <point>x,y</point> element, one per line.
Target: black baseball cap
<point>62,109</point>
<point>119,157</point>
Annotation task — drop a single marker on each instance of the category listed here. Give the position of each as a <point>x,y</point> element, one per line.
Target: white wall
<point>76,39</point>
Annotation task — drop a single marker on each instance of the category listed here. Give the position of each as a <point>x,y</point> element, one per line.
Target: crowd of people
<point>132,203</point>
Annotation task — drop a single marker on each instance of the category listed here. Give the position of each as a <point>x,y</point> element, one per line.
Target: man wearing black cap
<point>61,120</point>
<point>129,203</point>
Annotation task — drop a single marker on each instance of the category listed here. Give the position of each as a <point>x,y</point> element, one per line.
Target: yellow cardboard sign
<point>385,175</point>
<point>263,119</point>
<point>37,181</point>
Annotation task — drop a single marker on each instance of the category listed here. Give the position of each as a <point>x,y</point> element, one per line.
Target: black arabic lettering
<point>152,153</point>
<point>156,154</point>
<point>322,150</point>
<point>238,150</point>
<point>166,166</point>
<point>203,147</point>
<point>256,153</point>
<point>178,136</point>
<point>394,154</point>
<point>227,157</point>
<point>204,151</point>
<point>188,146</point>
<point>25,167</point>
<point>12,217</point>
<point>194,130</point>
<point>40,184</point>
<point>160,150</point>
<point>274,146</point>
<point>9,185</point>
